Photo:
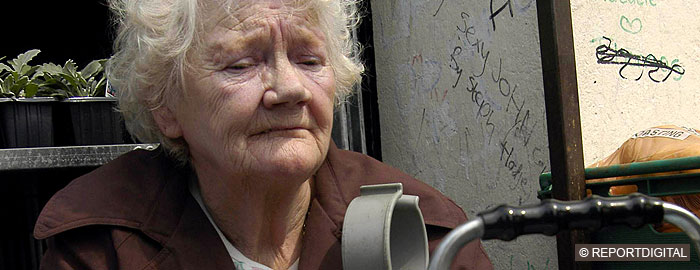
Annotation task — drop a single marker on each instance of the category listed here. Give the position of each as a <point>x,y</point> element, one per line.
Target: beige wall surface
<point>461,106</point>
<point>637,65</point>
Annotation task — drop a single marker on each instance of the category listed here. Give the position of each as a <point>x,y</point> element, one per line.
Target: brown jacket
<point>137,213</point>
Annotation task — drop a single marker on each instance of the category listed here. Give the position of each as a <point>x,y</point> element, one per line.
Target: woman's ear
<point>167,122</point>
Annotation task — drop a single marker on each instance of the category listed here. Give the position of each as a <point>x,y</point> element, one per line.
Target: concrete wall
<point>462,106</point>
<point>639,84</point>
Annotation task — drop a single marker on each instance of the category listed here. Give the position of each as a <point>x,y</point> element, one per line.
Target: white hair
<point>154,38</point>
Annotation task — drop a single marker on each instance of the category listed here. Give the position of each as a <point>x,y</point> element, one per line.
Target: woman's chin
<point>299,162</point>
<point>287,170</point>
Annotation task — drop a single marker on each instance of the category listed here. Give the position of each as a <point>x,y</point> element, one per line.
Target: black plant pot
<point>89,121</point>
<point>26,122</point>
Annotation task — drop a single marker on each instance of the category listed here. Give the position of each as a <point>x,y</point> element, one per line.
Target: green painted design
<point>632,27</point>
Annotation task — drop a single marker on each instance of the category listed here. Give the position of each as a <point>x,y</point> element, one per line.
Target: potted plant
<point>85,115</point>
<point>49,104</point>
<point>25,120</point>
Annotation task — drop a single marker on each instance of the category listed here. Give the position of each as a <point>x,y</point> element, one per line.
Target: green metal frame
<point>665,185</point>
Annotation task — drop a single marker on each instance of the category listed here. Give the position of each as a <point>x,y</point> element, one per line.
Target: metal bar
<point>370,106</point>
<point>684,219</point>
<point>665,165</point>
<point>657,186</point>
<point>635,168</point>
<point>454,241</point>
<point>563,119</point>
<point>63,157</point>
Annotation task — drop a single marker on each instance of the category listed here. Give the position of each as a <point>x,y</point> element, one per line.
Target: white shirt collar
<point>240,261</point>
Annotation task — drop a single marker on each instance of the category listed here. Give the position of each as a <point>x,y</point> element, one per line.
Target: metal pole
<point>563,119</point>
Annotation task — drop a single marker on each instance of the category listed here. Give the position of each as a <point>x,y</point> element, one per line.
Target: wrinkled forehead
<point>244,15</point>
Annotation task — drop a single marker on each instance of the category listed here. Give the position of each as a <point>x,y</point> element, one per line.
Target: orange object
<point>662,142</point>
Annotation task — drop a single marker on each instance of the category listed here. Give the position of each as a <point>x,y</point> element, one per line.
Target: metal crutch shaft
<point>552,216</point>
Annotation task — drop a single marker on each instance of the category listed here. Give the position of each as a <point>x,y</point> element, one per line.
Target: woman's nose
<point>287,88</point>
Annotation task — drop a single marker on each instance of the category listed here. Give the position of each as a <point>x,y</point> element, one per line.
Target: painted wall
<point>637,67</point>
<point>462,106</point>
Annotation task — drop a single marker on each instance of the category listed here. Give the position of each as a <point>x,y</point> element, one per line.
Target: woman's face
<point>259,98</point>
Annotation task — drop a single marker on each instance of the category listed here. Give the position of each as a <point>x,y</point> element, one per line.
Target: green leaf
<point>15,67</point>
<point>51,92</point>
<point>15,75</point>
<point>30,90</point>
<point>91,69</point>
<point>6,87</point>
<point>9,81</point>
<point>51,80</point>
<point>82,82</point>
<point>23,59</point>
<point>4,67</point>
<point>50,68</point>
<point>28,70</point>
<point>19,85</point>
<point>70,79</point>
<point>94,87</point>
<point>69,68</point>
<point>27,56</point>
<point>56,84</point>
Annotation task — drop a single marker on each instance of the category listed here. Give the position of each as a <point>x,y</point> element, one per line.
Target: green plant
<point>67,81</point>
<point>17,79</point>
<point>20,79</point>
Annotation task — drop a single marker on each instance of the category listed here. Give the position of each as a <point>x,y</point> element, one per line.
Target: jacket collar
<point>138,190</point>
<point>343,173</point>
<point>147,192</point>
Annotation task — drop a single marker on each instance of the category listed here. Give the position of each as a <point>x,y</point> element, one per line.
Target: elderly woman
<point>240,94</point>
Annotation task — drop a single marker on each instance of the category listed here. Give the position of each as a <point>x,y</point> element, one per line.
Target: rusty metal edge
<point>563,118</point>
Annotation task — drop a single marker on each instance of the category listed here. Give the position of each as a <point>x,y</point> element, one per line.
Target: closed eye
<point>310,61</point>
<point>241,65</point>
